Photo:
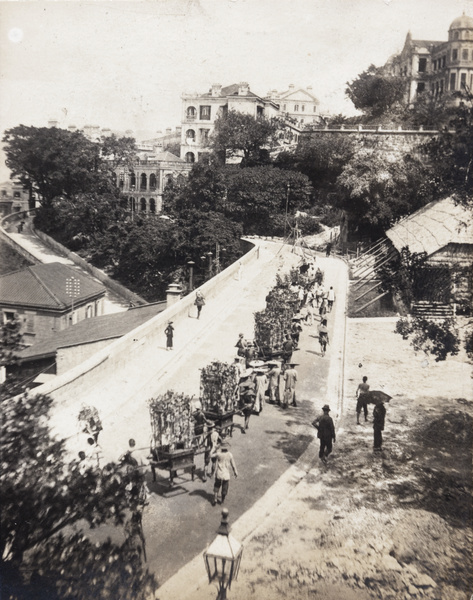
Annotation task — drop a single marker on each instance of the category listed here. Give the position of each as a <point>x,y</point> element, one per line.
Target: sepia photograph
<point>236,293</point>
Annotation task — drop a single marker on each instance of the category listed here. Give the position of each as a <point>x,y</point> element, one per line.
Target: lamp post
<point>223,557</point>
<point>190,264</point>
<point>209,256</point>
<point>287,203</point>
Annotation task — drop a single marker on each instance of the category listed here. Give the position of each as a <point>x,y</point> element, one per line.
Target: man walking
<point>379,414</point>
<point>199,302</point>
<point>361,390</point>
<point>222,472</point>
<point>330,299</point>
<point>290,379</point>
<point>325,433</point>
<point>273,379</point>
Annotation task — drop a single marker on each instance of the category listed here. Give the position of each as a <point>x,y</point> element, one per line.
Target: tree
<point>49,502</point>
<point>119,151</point>
<point>53,161</point>
<point>374,92</point>
<point>452,152</point>
<point>399,276</point>
<point>238,133</point>
<point>376,188</point>
<point>437,339</point>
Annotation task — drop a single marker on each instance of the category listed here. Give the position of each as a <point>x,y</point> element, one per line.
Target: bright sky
<point>124,65</point>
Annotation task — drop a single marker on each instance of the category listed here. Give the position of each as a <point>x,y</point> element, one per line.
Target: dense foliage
<point>49,502</point>
<point>374,93</point>
<point>436,338</point>
<point>240,134</point>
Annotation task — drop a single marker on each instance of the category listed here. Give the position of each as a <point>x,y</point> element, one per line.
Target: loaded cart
<point>172,434</point>
<point>219,394</point>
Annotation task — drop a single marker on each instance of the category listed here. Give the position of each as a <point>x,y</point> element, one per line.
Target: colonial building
<point>199,112</point>
<point>48,298</point>
<point>436,66</point>
<point>298,104</point>
<point>14,198</point>
<point>145,182</point>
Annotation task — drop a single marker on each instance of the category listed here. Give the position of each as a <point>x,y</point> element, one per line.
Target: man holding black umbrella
<point>379,414</point>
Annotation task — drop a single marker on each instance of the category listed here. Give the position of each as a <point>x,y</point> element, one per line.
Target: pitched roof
<point>433,227</point>
<point>232,90</point>
<point>106,327</point>
<point>168,156</point>
<point>44,286</point>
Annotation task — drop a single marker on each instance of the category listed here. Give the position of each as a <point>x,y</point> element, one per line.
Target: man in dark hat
<point>169,331</point>
<point>325,433</point>
<point>287,348</point>
<point>222,472</point>
<point>379,414</point>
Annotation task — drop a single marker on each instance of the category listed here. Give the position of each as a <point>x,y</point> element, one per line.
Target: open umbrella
<point>375,396</point>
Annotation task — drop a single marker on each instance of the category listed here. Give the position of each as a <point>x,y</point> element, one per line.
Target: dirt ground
<point>390,525</point>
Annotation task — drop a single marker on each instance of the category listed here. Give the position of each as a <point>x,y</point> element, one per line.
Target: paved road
<point>180,522</point>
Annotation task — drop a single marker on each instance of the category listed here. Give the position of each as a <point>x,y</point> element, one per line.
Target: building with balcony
<point>298,105</point>
<point>14,198</point>
<point>199,112</point>
<point>144,183</point>
<point>436,66</point>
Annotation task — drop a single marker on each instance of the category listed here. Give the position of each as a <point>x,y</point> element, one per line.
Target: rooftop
<point>106,327</point>
<point>433,227</point>
<point>44,286</point>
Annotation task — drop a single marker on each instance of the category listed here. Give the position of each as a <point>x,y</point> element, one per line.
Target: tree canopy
<point>55,162</point>
<point>374,92</point>
<point>240,133</point>
<point>49,501</point>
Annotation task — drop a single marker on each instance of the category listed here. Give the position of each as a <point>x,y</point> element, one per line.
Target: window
<point>152,205</point>
<point>455,35</point>
<point>88,312</point>
<point>463,81</point>
<point>420,87</point>
<point>121,180</point>
<point>315,109</point>
<point>152,181</point>
<point>29,322</point>
<point>284,107</point>
<point>4,193</point>
<point>190,158</point>
<point>465,54</point>
<point>132,181</point>
<point>205,113</point>
<point>204,135</point>
<point>296,107</point>
<point>434,65</point>
<point>190,112</point>
<point>441,87</point>
<point>143,181</point>
<point>455,54</point>
<point>8,316</point>
<point>16,195</point>
<point>143,205</point>
<point>444,61</point>
<point>190,135</point>
<point>422,65</point>
<point>303,107</point>
<point>452,81</point>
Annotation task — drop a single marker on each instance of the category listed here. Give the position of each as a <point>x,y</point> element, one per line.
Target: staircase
<point>432,311</point>
<point>364,267</point>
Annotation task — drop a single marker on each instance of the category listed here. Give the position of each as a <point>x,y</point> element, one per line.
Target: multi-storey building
<point>144,183</point>
<point>14,198</point>
<point>199,112</point>
<point>436,66</point>
<point>298,104</point>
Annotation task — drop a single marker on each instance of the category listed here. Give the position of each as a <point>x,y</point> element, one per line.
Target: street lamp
<point>209,256</point>
<point>223,557</point>
<point>190,264</point>
<point>287,202</point>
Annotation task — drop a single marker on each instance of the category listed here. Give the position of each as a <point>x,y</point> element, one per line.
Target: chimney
<point>179,130</point>
<point>216,89</point>
<point>291,87</point>
<point>168,130</point>
<point>309,88</point>
<point>243,89</point>
<point>72,128</point>
<point>53,123</point>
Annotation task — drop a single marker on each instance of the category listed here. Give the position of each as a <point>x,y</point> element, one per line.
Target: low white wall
<point>125,353</point>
